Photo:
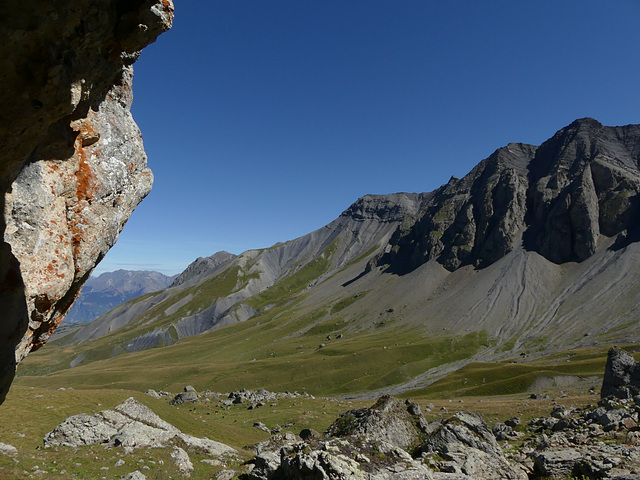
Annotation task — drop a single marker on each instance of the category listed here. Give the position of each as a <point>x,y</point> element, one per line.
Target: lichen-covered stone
<point>72,163</point>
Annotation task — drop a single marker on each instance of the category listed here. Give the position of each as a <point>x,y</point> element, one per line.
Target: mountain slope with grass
<point>533,252</point>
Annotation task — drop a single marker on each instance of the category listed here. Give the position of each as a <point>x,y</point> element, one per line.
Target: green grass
<point>345,302</point>
<point>506,378</point>
<point>278,350</point>
<point>291,285</point>
<point>29,413</point>
<point>368,253</point>
<point>201,296</point>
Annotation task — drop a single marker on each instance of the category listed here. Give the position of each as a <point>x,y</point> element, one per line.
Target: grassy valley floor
<point>36,404</point>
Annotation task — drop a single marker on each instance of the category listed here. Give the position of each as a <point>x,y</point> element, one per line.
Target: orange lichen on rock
<point>85,179</point>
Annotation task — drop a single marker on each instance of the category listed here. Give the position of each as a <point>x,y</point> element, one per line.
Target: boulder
<point>7,449</point>
<point>183,462</point>
<point>389,420</point>
<point>129,425</point>
<point>72,163</point>
<point>137,475</point>
<point>152,393</point>
<point>468,446</point>
<point>184,397</point>
<point>621,375</point>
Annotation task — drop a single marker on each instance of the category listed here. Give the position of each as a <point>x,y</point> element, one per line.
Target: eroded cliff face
<point>560,199</point>
<point>72,163</point>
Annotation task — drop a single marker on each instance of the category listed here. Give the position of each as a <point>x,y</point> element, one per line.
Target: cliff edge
<point>72,163</point>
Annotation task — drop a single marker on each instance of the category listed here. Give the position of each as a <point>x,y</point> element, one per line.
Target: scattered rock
<point>129,425</point>
<point>261,426</point>
<point>7,449</point>
<point>153,393</point>
<point>258,397</point>
<point>184,397</point>
<point>182,461</point>
<point>502,431</point>
<point>539,396</point>
<point>137,475</point>
<point>226,475</point>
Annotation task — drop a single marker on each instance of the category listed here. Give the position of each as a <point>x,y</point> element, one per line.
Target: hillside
<point>533,252</point>
<point>100,294</point>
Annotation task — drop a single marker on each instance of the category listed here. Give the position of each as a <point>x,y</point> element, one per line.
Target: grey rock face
<point>203,267</point>
<point>129,424</point>
<point>469,447</point>
<point>561,197</point>
<point>621,375</point>
<point>366,443</point>
<point>182,461</point>
<point>72,165</point>
<point>388,420</point>
<point>474,220</point>
<point>184,397</point>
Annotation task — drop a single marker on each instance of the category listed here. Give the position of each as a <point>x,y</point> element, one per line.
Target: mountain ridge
<point>532,251</point>
<point>110,289</point>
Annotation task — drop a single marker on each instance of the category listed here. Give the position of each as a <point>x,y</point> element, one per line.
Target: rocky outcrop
<point>128,425</point>
<point>389,440</point>
<point>473,220</point>
<point>621,375</point>
<point>589,443</point>
<point>562,197</point>
<point>72,164</point>
<point>202,268</point>
<point>464,444</point>
<point>388,420</point>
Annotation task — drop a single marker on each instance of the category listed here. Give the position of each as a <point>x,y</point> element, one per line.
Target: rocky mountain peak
<point>386,208</point>
<point>560,197</point>
<point>203,266</point>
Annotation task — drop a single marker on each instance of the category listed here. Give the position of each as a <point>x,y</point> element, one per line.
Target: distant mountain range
<point>535,250</point>
<point>100,294</point>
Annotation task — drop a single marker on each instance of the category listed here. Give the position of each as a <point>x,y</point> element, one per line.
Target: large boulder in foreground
<point>390,420</point>
<point>72,163</point>
<point>621,375</point>
<point>129,424</point>
<point>388,441</point>
<point>467,446</point>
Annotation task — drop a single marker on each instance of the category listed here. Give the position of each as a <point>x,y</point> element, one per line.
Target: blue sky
<point>263,121</point>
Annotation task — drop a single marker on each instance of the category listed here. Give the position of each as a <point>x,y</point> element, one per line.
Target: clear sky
<point>264,120</point>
